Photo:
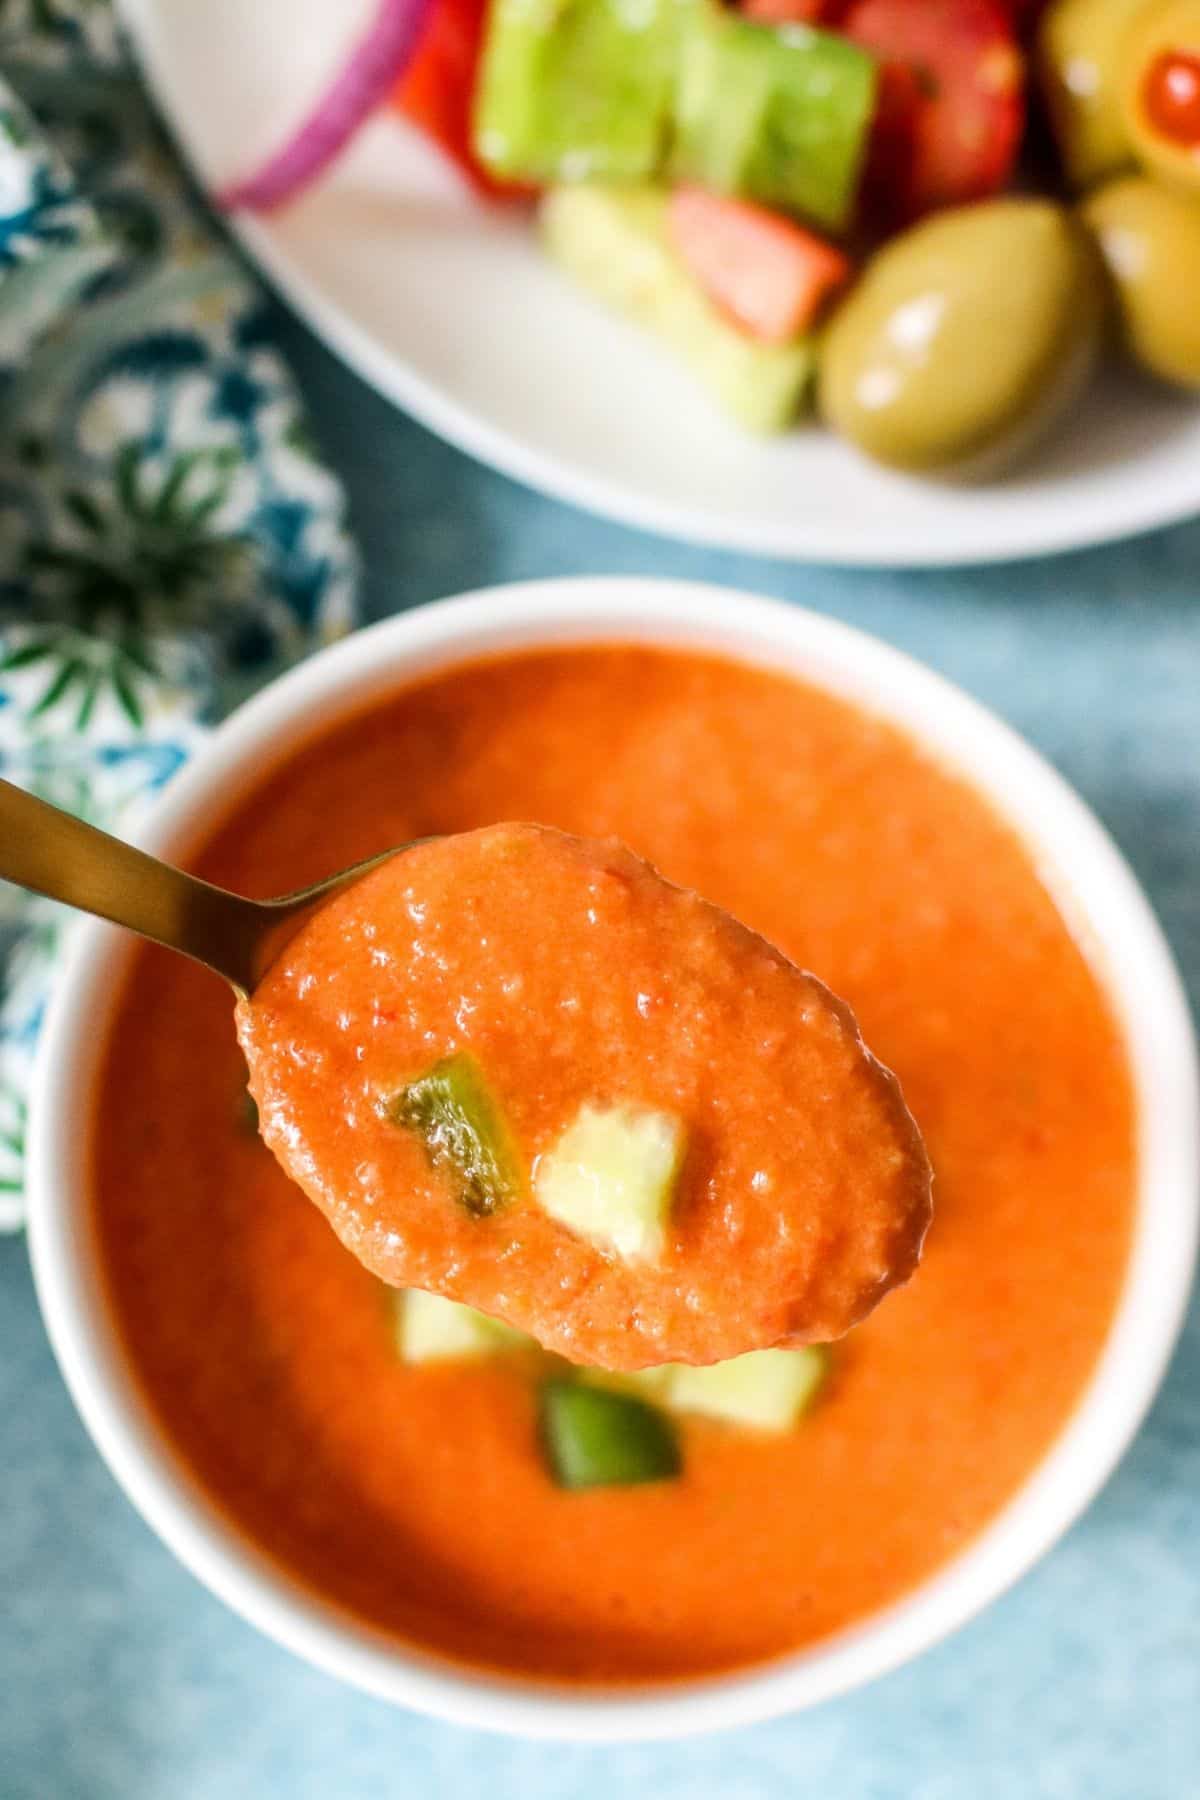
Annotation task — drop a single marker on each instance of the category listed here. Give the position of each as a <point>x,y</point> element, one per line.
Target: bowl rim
<point>1092,885</point>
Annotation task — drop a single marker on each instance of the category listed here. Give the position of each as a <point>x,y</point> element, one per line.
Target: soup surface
<point>416,1496</point>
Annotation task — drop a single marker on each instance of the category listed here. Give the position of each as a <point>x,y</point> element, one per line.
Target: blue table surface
<point>121,1677</point>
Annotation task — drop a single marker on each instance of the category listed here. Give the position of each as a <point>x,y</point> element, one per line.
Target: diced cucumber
<point>453,1111</point>
<point>647,1384</point>
<point>779,114</point>
<point>430,1328</point>
<point>611,1178</point>
<point>767,1389</point>
<point>577,90</point>
<point>597,1438</point>
<point>613,241</point>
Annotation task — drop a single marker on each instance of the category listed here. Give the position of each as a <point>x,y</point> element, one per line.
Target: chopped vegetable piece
<point>648,1384</point>
<point>767,1389</point>
<point>577,90</point>
<point>452,1109</point>
<point>951,105</point>
<point>437,89</point>
<point>777,115</point>
<point>595,1437</point>
<point>614,242</point>
<point>353,92</point>
<point>611,1178</point>
<point>768,274</point>
<point>787,12</point>
<point>247,1113</point>
<point>430,1328</point>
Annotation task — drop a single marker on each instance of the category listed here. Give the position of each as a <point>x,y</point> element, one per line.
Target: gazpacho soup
<point>434,1472</point>
<point>518,1069</point>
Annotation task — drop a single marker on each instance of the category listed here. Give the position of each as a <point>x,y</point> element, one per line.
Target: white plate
<point>449,309</point>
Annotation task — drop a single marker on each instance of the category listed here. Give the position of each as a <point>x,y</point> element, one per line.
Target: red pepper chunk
<point>437,89</point>
<point>1171,97</point>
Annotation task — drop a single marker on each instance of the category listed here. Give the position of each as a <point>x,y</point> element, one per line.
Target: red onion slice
<point>365,80</point>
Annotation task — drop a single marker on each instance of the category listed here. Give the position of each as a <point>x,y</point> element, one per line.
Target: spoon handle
<point>58,855</point>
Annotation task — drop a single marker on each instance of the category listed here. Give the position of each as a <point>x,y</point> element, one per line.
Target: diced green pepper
<point>453,1111</point>
<point>779,114</point>
<point>431,1328</point>
<point>577,90</point>
<point>597,1438</point>
<point>613,241</point>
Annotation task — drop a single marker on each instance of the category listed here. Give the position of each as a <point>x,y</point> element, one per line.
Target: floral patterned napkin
<point>168,536</point>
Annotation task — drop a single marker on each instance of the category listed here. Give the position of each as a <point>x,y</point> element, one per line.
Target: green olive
<point>1161,60</point>
<point>1080,61</point>
<point>1150,239</point>
<point>965,336</point>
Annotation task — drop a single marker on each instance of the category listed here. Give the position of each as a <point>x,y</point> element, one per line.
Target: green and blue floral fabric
<point>168,536</point>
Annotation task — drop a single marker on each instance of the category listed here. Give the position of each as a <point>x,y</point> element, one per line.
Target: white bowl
<point>1094,888</point>
<point>450,309</point>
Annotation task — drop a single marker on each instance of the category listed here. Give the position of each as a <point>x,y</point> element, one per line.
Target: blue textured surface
<point>121,1679</point>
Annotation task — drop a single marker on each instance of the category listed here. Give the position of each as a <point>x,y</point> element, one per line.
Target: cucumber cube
<point>611,1178</point>
<point>577,90</point>
<point>766,1389</point>
<point>775,114</point>
<point>430,1328</point>
<point>647,1384</point>
<point>459,1120</point>
<point>596,1438</point>
<point>613,241</point>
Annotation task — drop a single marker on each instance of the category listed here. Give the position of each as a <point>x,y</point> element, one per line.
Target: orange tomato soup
<point>416,1497</point>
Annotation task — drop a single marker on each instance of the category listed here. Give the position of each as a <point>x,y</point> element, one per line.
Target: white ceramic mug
<point>1092,885</point>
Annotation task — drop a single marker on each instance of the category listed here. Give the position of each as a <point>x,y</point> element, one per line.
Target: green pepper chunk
<point>457,1117</point>
<point>594,1437</point>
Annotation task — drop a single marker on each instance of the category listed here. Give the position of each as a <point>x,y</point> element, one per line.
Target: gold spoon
<point>57,855</point>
